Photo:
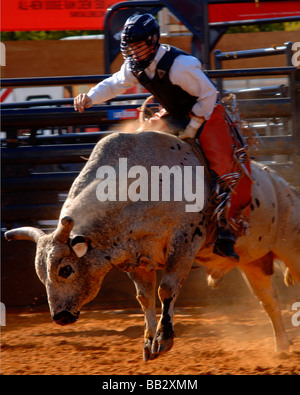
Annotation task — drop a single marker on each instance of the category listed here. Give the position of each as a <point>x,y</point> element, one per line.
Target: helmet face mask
<point>139,41</point>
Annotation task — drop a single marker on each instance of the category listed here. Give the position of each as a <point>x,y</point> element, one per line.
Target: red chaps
<point>218,146</point>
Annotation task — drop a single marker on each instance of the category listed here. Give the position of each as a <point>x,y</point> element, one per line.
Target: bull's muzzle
<point>65,317</point>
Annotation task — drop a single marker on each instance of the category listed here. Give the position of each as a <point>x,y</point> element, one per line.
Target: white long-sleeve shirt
<point>185,72</point>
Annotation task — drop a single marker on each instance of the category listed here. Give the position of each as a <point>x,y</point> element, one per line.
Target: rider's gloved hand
<point>157,122</point>
<point>192,127</point>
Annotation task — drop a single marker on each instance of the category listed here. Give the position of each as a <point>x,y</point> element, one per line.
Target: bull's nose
<point>65,318</point>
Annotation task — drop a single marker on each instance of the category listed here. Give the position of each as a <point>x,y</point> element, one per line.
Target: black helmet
<point>140,40</point>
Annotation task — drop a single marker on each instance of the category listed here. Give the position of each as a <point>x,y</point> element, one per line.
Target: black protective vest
<point>173,98</point>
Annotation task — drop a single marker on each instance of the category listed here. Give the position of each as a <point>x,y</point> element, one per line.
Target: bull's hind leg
<point>287,243</point>
<point>258,274</point>
<point>144,282</point>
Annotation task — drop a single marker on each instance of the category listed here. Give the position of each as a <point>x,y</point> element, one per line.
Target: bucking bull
<point>140,236</point>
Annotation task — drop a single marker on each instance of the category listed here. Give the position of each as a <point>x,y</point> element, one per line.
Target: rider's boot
<point>224,245</point>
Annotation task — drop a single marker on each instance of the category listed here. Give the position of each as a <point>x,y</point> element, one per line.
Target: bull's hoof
<point>147,353</point>
<point>165,346</point>
<point>160,346</point>
<point>282,344</point>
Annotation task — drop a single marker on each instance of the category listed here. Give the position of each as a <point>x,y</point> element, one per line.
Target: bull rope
<point>142,111</point>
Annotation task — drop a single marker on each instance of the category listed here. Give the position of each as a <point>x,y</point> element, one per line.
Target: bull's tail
<point>287,275</point>
<point>288,278</point>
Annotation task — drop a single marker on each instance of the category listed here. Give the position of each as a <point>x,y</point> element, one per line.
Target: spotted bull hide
<point>139,236</point>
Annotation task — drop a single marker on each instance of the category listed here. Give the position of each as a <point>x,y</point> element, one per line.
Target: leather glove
<point>155,123</point>
<point>192,128</point>
<point>158,115</point>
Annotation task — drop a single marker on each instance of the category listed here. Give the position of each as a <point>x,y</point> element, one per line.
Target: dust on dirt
<point>235,340</point>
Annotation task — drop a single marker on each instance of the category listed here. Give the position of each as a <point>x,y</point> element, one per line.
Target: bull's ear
<point>80,245</point>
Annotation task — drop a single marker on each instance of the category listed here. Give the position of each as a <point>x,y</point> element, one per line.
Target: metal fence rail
<point>33,179</point>
<point>26,118</point>
<point>60,116</point>
<point>94,79</point>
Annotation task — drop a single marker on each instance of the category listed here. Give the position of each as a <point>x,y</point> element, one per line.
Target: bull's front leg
<point>163,340</point>
<point>145,282</point>
<point>178,266</point>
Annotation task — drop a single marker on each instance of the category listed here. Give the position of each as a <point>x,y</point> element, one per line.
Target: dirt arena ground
<point>234,340</point>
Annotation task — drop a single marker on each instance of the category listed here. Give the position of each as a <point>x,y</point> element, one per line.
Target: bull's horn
<point>24,233</point>
<point>63,230</point>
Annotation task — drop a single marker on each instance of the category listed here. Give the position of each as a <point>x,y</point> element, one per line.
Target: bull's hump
<point>151,147</point>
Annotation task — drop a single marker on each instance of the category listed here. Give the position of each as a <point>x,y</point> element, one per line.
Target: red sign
<point>255,10</point>
<point>29,15</point>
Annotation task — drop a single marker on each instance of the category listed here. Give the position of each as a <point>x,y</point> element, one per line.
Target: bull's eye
<point>65,271</point>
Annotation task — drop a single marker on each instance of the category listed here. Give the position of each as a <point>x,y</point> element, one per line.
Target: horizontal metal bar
<point>32,196</point>
<point>265,21</point>
<point>69,102</point>
<point>91,79</point>
<point>251,53</point>
<point>66,138</point>
<point>273,145</point>
<point>275,139</point>
<point>259,92</point>
<point>59,181</point>
<point>34,212</point>
<point>256,72</point>
<point>52,81</point>
<point>64,153</point>
<point>37,103</point>
<point>60,116</point>
<point>98,115</point>
<point>265,108</point>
